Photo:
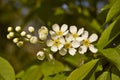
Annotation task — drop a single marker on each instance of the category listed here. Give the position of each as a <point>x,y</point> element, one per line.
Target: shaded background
<point>82,13</point>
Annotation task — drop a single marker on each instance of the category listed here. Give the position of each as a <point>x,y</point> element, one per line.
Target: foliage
<point>103,65</point>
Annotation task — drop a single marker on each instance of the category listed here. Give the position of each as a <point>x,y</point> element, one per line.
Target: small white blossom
<point>40,55</point>
<point>76,35</point>
<point>56,44</point>
<point>10,29</point>
<point>43,33</point>
<point>15,40</point>
<point>20,43</point>
<point>59,32</point>
<point>33,39</point>
<point>86,43</point>
<point>70,46</point>
<point>31,29</point>
<point>18,29</point>
<point>23,33</point>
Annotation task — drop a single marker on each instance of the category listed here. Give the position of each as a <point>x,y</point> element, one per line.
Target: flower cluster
<point>61,39</point>
<point>69,41</point>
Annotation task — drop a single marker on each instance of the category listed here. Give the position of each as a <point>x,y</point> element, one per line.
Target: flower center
<point>75,35</point>
<point>86,43</point>
<point>68,45</point>
<point>57,42</point>
<point>60,33</point>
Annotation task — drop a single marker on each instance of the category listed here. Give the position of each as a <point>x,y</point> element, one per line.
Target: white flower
<point>56,43</point>
<point>23,33</point>
<point>31,29</point>
<point>43,33</point>
<point>33,39</point>
<point>70,46</point>
<point>41,55</point>
<point>76,35</point>
<point>28,36</point>
<point>18,28</point>
<point>59,32</point>
<point>10,29</point>
<point>86,43</point>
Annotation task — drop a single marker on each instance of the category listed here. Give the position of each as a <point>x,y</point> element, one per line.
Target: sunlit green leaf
<point>33,73</point>
<point>109,34</point>
<point>114,11</point>
<point>112,55</point>
<point>81,72</point>
<point>6,70</point>
<point>56,77</point>
<point>104,76</point>
<point>52,67</point>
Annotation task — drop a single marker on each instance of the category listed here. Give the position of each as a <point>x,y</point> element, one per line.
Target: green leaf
<point>109,34</point>
<point>6,70</point>
<point>112,55</point>
<point>81,72</point>
<point>56,77</point>
<point>19,75</point>
<point>104,76</point>
<point>50,68</point>
<point>33,73</point>
<point>114,11</point>
<point>115,74</point>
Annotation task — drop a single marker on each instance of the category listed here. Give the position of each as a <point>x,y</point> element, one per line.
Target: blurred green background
<point>82,13</point>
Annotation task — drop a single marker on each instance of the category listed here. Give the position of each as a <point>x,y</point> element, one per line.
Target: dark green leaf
<point>81,72</point>
<point>115,74</point>
<point>6,70</point>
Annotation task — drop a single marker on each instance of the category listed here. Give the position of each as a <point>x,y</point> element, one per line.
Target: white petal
<point>93,49</point>
<point>93,38</point>
<point>49,43</point>
<point>75,44</point>
<point>64,27</point>
<point>80,31</point>
<point>60,46</point>
<point>68,37</point>
<point>56,27</point>
<point>52,32</point>
<point>73,29</point>
<point>79,39</point>
<point>85,35</point>
<point>72,51</point>
<point>63,52</point>
<point>62,40</point>
<point>82,49</point>
<point>54,48</point>
<point>66,32</point>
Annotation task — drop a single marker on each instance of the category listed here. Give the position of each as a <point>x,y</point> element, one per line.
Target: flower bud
<point>11,34</point>
<point>23,33</point>
<point>8,36</point>
<point>18,28</point>
<point>20,43</point>
<point>40,55</point>
<point>31,29</point>
<point>15,40</point>
<point>33,39</point>
<point>9,29</point>
<point>43,33</point>
<point>28,36</point>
